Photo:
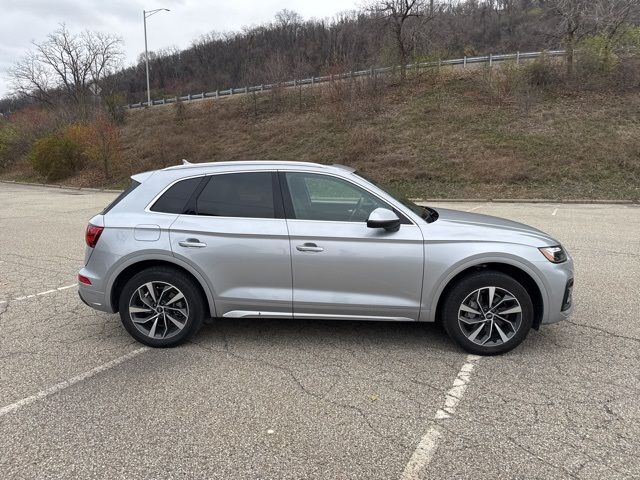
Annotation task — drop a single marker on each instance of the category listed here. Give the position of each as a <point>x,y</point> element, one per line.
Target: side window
<point>321,197</point>
<point>175,199</point>
<point>248,195</point>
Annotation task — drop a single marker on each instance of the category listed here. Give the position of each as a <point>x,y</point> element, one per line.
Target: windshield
<point>426,213</point>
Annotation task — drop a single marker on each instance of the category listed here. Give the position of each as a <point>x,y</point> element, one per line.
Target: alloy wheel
<point>490,316</point>
<point>158,310</point>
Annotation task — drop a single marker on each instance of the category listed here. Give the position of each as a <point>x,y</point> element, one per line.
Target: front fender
<point>437,281</point>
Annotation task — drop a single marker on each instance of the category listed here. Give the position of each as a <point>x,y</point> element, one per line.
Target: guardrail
<point>371,72</point>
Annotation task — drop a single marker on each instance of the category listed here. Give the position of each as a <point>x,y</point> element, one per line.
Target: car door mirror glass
<point>384,218</point>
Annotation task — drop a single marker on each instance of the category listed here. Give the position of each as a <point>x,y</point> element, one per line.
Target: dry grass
<point>447,135</point>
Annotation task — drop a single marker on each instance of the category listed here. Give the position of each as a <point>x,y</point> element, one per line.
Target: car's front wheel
<point>488,313</point>
<point>161,307</point>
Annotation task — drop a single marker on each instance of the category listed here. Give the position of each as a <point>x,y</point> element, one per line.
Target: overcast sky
<point>24,21</point>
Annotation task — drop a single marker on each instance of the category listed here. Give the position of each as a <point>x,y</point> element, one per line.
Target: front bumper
<point>558,316</point>
<point>558,278</point>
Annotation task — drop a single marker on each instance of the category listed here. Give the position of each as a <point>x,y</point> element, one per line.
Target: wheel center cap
<point>159,309</point>
<point>489,316</point>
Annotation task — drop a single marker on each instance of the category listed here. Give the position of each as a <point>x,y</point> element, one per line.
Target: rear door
<point>341,268</point>
<point>235,233</point>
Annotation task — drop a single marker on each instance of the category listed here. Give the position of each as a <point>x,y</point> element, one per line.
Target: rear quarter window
<point>176,198</point>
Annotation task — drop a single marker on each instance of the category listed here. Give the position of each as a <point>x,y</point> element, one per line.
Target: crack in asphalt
<point>40,268</point>
<point>541,459</point>
<point>394,440</point>
<point>602,330</point>
<point>565,402</point>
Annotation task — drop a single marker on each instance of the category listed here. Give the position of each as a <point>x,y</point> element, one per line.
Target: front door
<point>341,268</point>
<point>237,237</point>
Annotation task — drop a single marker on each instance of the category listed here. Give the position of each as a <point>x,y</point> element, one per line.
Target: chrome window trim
<point>162,192</point>
<point>340,222</point>
<point>362,187</point>
<point>293,170</point>
<point>153,201</point>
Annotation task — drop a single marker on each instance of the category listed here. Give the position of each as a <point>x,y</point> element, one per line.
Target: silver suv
<point>302,240</point>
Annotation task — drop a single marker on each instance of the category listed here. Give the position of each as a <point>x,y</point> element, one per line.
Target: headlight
<point>554,254</point>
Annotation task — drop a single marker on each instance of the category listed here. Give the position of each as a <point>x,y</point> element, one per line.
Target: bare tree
<point>573,24</point>
<point>611,15</point>
<point>288,19</point>
<point>30,78</point>
<point>104,54</point>
<point>580,18</point>
<point>398,13</point>
<point>67,63</point>
<point>289,46</point>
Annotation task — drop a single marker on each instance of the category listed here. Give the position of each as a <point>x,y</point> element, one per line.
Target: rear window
<point>248,195</point>
<point>132,186</point>
<point>175,199</point>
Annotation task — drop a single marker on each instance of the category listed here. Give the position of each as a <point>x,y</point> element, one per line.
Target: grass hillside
<point>439,135</point>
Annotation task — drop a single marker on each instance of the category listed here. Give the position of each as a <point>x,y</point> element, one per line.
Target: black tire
<point>192,298</point>
<point>468,285</point>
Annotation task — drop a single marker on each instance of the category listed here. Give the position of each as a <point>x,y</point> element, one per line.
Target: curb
<point>439,200</point>
<point>62,187</point>
<point>579,201</point>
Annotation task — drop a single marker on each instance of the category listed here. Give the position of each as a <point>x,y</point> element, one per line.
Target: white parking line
<point>474,208</point>
<point>428,445</point>
<point>47,292</point>
<point>68,383</point>
<point>554,212</point>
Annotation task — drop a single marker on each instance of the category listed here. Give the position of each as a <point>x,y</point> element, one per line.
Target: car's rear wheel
<point>488,313</point>
<point>161,307</point>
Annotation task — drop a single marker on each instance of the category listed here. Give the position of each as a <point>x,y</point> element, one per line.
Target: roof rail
<point>344,167</point>
<point>187,164</point>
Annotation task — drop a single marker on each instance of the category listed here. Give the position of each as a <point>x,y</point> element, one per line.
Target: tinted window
<point>321,197</point>
<point>132,186</point>
<point>238,195</point>
<point>175,199</point>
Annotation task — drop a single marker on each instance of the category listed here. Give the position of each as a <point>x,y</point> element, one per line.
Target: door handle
<point>309,247</point>
<point>192,243</point>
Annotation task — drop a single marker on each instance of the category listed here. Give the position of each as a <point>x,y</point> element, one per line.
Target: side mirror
<point>384,218</point>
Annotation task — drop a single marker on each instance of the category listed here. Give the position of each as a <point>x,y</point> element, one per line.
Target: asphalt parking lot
<point>275,399</point>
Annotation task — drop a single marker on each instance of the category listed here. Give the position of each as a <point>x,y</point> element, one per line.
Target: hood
<point>453,225</point>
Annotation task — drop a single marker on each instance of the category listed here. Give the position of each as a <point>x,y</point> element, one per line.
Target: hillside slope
<point>453,135</point>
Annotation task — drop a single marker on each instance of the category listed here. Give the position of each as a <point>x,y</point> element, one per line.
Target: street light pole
<point>146,57</point>
<point>146,14</point>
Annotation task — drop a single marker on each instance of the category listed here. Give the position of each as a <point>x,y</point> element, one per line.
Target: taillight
<point>93,235</point>
<point>83,279</point>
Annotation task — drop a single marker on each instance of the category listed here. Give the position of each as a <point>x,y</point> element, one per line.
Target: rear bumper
<point>94,298</point>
